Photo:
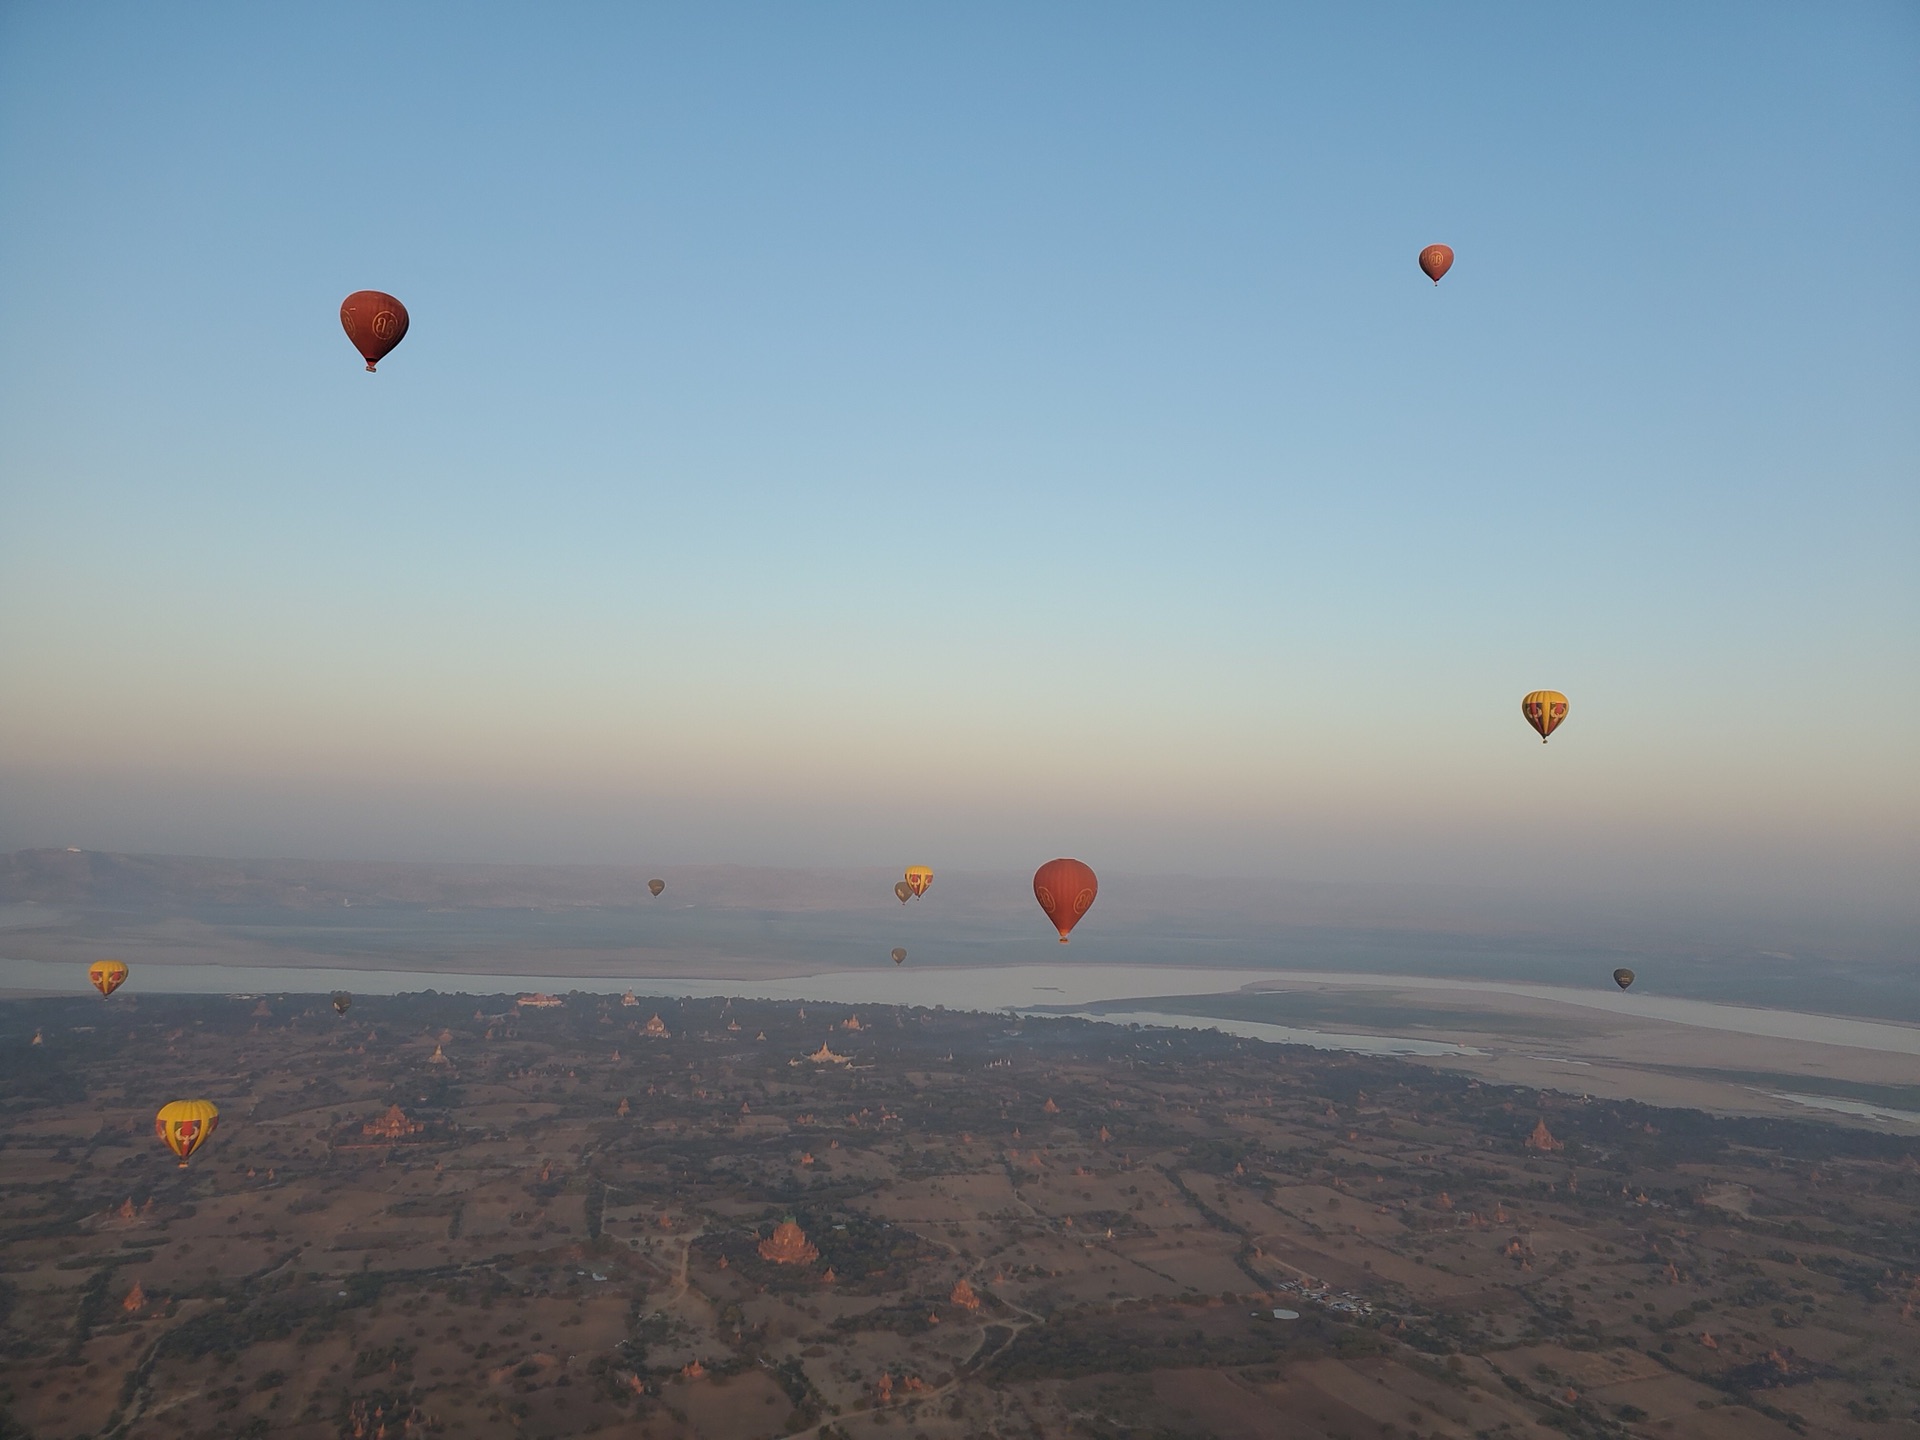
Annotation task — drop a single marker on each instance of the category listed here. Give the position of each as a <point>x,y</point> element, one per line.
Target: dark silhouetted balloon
<point>1436,260</point>
<point>375,322</point>
<point>656,886</point>
<point>107,975</point>
<point>899,955</point>
<point>1544,710</point>
<point>903,891</point>
<point>185,1125</point>
<point>342,1002</point>
<point>1065,890</point>
<point>1623,978</point>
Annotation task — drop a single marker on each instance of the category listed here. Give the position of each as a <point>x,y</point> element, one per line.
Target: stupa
<point>963,1295</point>
<point>136,1300</point>
<point>1542,1138</point>
<point>628,999</point>
<point>657,1029</point>
<point>788,1245</point>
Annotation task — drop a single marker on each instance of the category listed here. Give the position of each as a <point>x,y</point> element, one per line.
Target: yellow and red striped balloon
<point>107,976</point>
<point>185,1125</point>
<point>1544,709</point>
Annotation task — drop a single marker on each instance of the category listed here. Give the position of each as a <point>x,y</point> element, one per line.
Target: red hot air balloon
<point>1065,890</point>
<point>1436,260</point>
<point>375,322</point>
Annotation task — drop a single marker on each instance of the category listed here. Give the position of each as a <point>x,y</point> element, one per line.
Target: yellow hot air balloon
<point>184,1125</point>
<point>1544,709</point>
<point>919,877</point>
<point>107,975</point>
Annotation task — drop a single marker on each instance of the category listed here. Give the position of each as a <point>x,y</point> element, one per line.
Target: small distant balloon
<point>1436,260</point>
<point>1065,890</point>
<point>375,322</point>
<point>107,976</point>
<point>183,1126</point>
<point>899,955</point>
<point>902,891</point>
<point>342,1002</point>
<point>656,886</point>
<point>1623,978</point>
<point>1544,710</point>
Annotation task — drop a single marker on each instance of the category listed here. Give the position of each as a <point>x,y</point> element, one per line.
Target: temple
<point>394,1125</point>
<point>788,1245</point>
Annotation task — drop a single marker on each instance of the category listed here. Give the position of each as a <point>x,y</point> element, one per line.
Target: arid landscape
<point>671,1218</point>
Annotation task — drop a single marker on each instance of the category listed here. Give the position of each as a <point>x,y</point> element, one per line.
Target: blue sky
<point>827,431</point>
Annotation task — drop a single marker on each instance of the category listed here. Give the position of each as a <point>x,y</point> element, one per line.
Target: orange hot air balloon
<point>1065,890</point>
<point>902,891</point>
<point>185,1125</point>
<point>656,886</point>
<point>1544,709</point>
<point>899,955</point>
<point>919,877</point>
<point>375,322</point>
<point>1436,260</point>
<point>107,975</point>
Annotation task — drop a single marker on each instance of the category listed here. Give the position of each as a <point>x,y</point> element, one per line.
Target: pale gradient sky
<point>835,433</point>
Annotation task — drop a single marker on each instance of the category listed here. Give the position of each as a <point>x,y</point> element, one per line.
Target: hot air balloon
<point>375,322</point>
<point>899,955</point>
<point>107,975</point>
<point>903,891</point>
<point>919,877</point>
<point>656,886</point>
<point>1623,978</point>
<point>1065,890</point>
<point>1436,260</point>
<point>1544,709</point>
<point>342,1002</point>
<point>184,1126</point>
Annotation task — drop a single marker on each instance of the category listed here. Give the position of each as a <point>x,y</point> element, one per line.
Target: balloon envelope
<point>342,1002</point>
<point>1623,978</point>
<point>107,976</point>
<point>1544,709</point>
<point>1065,890</point>
<point>656,886</point>
<point>1436,260</point>
<point>375,322</point>
<point>902,891</point>
<point>919,877</point>
<point>898,955</point>
<point>184,1125</point>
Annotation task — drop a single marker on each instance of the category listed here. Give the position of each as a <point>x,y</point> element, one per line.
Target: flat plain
<point>671,1218</point>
